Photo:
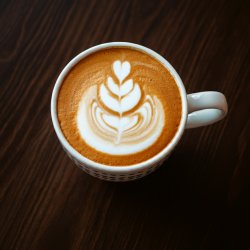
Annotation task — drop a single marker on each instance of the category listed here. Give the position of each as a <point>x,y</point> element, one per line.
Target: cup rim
<point>125,168</point>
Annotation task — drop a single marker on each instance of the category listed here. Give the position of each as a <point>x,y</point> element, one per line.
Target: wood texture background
<point>199,199</point>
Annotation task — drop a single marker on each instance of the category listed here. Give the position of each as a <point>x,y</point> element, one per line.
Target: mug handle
<point>205,108</point>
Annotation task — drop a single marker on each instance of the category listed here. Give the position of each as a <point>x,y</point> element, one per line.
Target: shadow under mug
<point>198,109</point>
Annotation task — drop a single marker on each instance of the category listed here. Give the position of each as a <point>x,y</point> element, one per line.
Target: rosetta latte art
<point>117,117</point>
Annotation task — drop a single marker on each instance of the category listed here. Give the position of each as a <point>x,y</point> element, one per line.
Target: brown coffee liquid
<point>152,77</point>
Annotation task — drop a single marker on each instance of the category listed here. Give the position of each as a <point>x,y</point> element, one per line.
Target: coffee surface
<point>119,106</point>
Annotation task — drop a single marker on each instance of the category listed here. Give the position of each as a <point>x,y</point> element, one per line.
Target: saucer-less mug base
<point>118,176</point>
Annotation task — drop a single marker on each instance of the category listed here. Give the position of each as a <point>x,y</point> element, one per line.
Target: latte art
<point>116,117</point>
<point>119,106</point>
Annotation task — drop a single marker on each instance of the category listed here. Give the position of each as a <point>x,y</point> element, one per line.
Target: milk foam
<point>117,118</point>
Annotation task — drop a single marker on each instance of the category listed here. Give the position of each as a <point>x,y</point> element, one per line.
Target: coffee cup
<point>197,110</point>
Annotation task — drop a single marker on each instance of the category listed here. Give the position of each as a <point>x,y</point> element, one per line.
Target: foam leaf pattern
<point>126,87</point>
<point>114,88</point>
<point>117,117</point>
<point>108,100</point>
<point>131,100</point>
<point>123,96</point>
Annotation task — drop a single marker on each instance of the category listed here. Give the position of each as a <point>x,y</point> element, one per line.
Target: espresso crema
<point>119,106</point>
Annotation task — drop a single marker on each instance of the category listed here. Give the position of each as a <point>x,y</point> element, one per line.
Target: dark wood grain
<point>199,199</point>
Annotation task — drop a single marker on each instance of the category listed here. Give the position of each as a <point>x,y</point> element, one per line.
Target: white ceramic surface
<point>198,109</point>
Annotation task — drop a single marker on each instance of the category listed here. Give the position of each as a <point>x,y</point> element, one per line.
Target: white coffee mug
<point>198,109</point>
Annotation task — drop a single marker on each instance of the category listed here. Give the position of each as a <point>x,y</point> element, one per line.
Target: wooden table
<point>199,199</point>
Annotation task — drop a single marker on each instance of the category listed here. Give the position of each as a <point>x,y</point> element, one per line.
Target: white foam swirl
<point>117,118</point>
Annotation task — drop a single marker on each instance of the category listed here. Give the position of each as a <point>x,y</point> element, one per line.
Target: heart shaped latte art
<point>121,70</point>
<point>117,118</point>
